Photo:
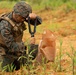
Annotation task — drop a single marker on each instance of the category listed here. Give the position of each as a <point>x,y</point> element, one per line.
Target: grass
<point>52,27</point>
<point>52,4</point>
<point>41,4</point>
<point>60,55</point>
<point>7,4</point>
<point>45,69</point>
<point>73,59</point>
<point>56,66</point>
<point>52,68</point>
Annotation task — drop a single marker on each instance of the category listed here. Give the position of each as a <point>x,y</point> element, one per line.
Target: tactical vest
<point>17,31</point>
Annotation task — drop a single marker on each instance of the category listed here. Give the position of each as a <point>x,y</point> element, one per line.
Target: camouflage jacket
<point>11,36</point>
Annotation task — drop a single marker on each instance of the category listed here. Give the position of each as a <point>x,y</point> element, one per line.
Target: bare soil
<point>66,33</point>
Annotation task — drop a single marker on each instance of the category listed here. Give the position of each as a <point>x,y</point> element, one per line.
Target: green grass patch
<point>52,27</point>
<point>41,4</point>
<point>7,4</point>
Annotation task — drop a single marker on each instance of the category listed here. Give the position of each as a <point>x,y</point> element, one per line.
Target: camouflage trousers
<point>9,60</point>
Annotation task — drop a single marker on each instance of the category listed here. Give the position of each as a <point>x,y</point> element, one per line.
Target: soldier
<point>11,31</point>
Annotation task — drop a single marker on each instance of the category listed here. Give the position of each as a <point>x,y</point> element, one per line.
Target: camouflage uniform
<point>11,36</point>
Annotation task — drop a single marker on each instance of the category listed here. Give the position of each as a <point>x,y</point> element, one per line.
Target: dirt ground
<point>66,33</point>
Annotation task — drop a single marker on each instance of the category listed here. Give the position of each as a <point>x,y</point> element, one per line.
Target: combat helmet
<point>22,8</point>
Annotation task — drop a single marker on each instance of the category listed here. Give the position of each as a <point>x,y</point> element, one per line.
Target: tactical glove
<point>33,50</point>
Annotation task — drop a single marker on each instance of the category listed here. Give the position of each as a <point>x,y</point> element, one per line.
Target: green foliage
<point>40,4</point>
<point>10,0</point>
<point>35,1</point>
<point>6,4</point>
<point>73,58</point>
<point>59,58</point>
<point>9,68</point>
<point>54,26</point>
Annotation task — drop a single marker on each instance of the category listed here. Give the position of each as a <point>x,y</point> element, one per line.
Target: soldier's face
<point>18,18</point>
